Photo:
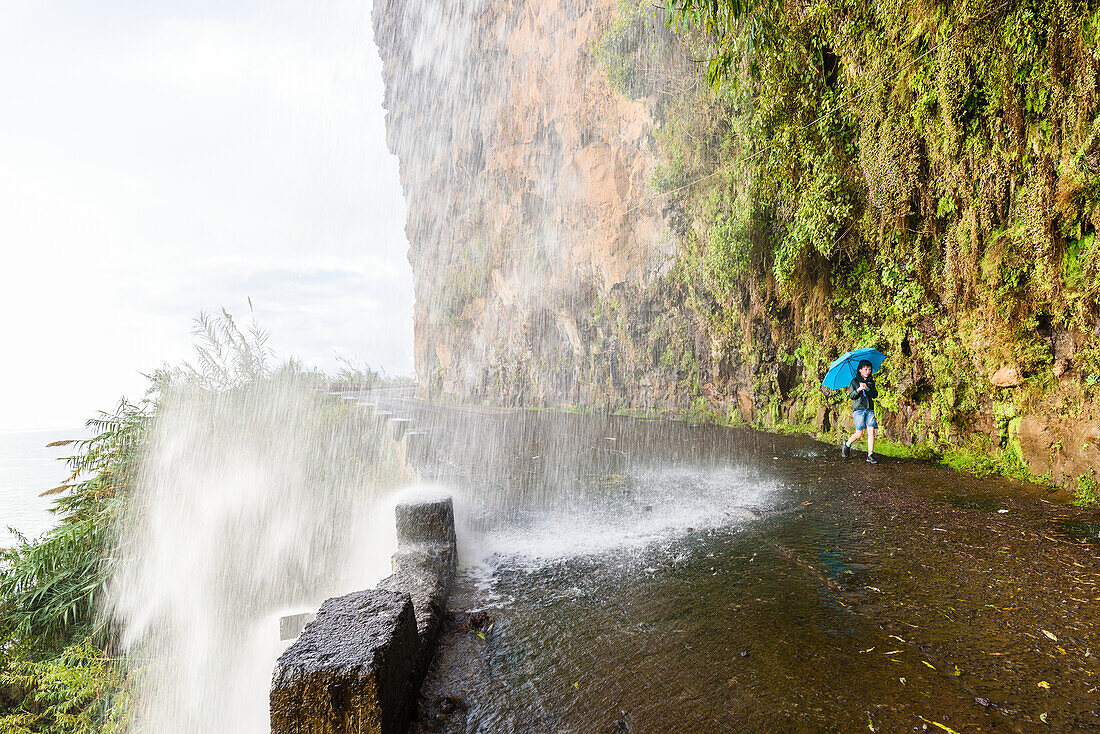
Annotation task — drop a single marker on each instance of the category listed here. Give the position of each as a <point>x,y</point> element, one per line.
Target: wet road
<point>634,576</point>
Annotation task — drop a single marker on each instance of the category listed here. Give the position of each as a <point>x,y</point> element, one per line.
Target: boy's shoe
<point>871,459</point>
<point>845,449</point>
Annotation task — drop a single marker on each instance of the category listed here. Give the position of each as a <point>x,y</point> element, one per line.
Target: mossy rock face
<point>1061,449</point>
<point>921,178</point>
<point>928,218</point>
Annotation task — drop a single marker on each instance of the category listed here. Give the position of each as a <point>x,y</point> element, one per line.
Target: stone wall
<point>357,667</point>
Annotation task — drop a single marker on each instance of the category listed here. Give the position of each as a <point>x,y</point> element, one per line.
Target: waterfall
<point>255,502</point>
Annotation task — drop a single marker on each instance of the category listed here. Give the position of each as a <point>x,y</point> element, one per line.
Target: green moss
<point>888,447</point>
<point>793,428</point>
<point>701,411</point>
<point>1087,491</point>
<point>923,215</point>
<point>969,461</point>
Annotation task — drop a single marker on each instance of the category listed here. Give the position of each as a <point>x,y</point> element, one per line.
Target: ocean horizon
<point>27,469</point>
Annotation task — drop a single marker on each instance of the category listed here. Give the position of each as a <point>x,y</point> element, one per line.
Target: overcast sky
<point>159,158</point>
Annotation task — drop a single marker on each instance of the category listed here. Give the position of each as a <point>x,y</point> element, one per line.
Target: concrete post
<point>351,670</point>
<point>426,521</point>
<point>357,667</point>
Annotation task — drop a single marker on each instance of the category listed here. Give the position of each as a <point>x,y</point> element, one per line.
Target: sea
<point>27,468</point>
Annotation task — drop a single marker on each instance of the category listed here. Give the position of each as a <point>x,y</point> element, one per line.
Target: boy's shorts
<point>865,419</point>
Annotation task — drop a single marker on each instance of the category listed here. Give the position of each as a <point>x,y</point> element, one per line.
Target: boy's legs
<point>859,420</point>
<point>846,445</point>
<point>870,440</point>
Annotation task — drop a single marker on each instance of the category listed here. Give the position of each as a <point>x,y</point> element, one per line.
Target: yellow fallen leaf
<point>930,665</point>
<point>1050,635</point>
<point>942,726</point>
<point>892,652</point>
<point>1044,684</point>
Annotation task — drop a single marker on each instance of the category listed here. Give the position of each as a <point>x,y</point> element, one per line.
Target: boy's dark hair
<point>865,363</point>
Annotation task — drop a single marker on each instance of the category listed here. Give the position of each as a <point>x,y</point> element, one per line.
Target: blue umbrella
<point>844,369</point>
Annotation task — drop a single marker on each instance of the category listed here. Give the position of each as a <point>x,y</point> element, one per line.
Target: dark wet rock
<point>442,713</point>
<point>431,521</point>
<point>1063,447</point>
<point>357,667</point>
<point>426,574</point>
<point>351,669</point>
<point>480,620</point>
<point>424,567</point>
<point>449,705</point>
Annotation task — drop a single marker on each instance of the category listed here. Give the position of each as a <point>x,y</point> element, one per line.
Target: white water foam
<point>655,504</point>
<point>255,503</point>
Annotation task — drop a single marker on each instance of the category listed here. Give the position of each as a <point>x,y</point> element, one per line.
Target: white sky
<point>162,158</point>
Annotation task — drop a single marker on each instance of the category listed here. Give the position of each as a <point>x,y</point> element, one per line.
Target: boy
<point>863,393</point>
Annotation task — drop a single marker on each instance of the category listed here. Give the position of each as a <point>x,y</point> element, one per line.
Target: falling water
<point>255,502</point>
<point>263,500</point>
<point>526,176</point>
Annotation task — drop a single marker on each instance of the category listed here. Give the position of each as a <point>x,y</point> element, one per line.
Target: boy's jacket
<point>864,400</point>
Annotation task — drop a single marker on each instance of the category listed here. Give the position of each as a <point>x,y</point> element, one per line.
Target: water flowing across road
<point>639,576</point>
<point>617,575</point>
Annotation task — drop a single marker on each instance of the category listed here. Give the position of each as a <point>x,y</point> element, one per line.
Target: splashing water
<point>261,501</point>
<point>654,504</point>
<point>255,502</point>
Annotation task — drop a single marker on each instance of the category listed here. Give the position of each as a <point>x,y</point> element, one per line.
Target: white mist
<point>255,502</point>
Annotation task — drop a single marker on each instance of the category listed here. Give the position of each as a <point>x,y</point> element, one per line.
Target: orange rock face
<point>526,179</point>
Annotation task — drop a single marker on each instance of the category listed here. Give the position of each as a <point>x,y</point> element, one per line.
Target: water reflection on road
<point>637,576</point>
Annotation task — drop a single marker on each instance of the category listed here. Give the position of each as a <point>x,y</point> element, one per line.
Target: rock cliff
<point>527,181</point>
<point>589,225</point>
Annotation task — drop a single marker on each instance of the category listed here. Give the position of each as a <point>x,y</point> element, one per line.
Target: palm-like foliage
<point>49,587</point>
<point>54,640</point>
